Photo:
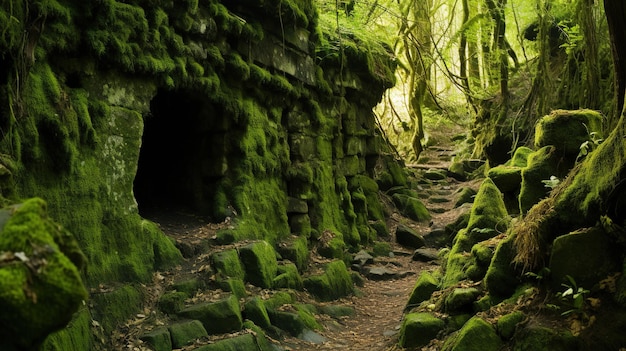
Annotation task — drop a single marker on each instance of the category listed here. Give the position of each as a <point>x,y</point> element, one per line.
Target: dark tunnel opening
<point>181,161</point>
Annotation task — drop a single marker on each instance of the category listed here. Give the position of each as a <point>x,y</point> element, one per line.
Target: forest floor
<point>378,304</point>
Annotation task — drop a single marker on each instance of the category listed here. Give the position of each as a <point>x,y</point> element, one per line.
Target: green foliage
<point>573,297</point>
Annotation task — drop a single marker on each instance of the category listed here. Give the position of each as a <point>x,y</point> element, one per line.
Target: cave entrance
<point>182,157</point>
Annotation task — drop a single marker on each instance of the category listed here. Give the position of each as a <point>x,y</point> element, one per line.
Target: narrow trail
<point>378,304</point>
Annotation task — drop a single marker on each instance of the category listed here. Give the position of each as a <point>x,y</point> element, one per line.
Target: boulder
<point>540,338</point>
<point>567,130</point>
<point>506,178</point>
<point>259,261</point>
<point>587,256</point>
<point>288,277</point>
<point>476,335</point>
<point>461,299</point>
<point>542,164</point>
<point>159,338</point>
<point>185,332</point>
<point>237,343</point>
<point>411,207</point>
<point>217,317</point>
<point>295,249</point>
<point>426,284</point>
<point>507,324</point>
<point>333,284</point>
<point>227,264</point>
<point>418,329</point>
<point>172,302</point>
<point>254,310</point>
<point>406,236</point>
<point>426,255</point>
<point>502,278</point>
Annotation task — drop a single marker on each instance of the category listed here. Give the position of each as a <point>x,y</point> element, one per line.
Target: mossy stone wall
<point>275,110</point>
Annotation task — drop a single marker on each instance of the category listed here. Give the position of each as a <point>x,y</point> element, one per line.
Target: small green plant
<point>540,276</point>
<point>551,183</point>
<point>573,297</point>
<point>594,140</point>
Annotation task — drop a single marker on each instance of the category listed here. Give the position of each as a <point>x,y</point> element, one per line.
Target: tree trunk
<point>616,17</point>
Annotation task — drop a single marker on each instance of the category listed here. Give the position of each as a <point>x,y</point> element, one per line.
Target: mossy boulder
<point>160,338</point>
<point>488,217</point>
<point>254,310</point>
<point>40,283</point>
<point>227,264</point>
<point>333,248</point>
<point>542,338</point>
<point>506,178</point>
<point>295,249</point>
<point>408,237</point>
<point>188,286</point>
<point>425,285</point>
<point>476,335</point>
<point>217,317</point>
<point>465,195</point>
<point>542,164</point>
<point>260,264</point>
<point>587,256</point>
<point>172,302</point>
<point>237,343</point>
<point>567,130</point>
<point>411,207</point>
<point>288,277</point>
<point>233,285</point>
<point>185,332</point>
<point>461,299</point>
<point>502,278</point>
<point>294,320</point>
<point>337,311</point>
<point>507,324</point>
<point>418,329</point>
<point>333,284</point>
<point>520,157</point>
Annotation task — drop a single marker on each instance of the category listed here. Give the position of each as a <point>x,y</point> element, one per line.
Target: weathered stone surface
<point>588,256</point>
<point>333,284</point>
<point>540,338</point>
<point>476,335</point>
<point>567,130</point>
<point>160,339</point>
<point>362,258</point>
<point>172,302</point>
<point>406,236</point>
<point>254,310</point>
<point>383,273</point>
<point>227,264</point>
<point>501,278</point>
<point>461,299</point>
<point>418,329</point>
<point>435,174</point>
<point>233,285</point>
<point>506,178</point>
<point>411,207</point>
<point>259,260</point>
<point>288,277</point>
<point>426,284</point>
<point>185,332</point>
<point>237,343</point>
<point>426,255</point>
<point>507,324</point>
<point>217,317</point>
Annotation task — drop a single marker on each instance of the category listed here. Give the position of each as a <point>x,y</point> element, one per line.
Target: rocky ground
<point>375,311</point>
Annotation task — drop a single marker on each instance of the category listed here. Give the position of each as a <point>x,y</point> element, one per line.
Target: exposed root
<point>530,239</point>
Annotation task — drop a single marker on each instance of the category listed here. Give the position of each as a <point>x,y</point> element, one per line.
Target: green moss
<point>259,261</point>
<point>76,336</point>
<point>296,251</point>
<point>477,335</point>
<point>115,306</point>
<point>227,263</point>
<point>288,277</point>
<point>418,329</point>
<point>333,284</point>
<point>567,130</point>
<point>172,302</point>
<point>255,311</point>
<point>542,164</point>
<point>520,157</point>
<point>50,285</point>
<point>507,324</point>
<point>426,284</point>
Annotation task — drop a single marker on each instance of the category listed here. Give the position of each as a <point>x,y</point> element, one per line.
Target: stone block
<point>418,329</point>
<point>476,335</point>
<point>333,284</point>
<point>217,317</point>
<point>259,261</point>
<point>227,264</point>
<point>160,339</point>
<point>254,310</point>
<point>408,237</point>
<point>185,332</point>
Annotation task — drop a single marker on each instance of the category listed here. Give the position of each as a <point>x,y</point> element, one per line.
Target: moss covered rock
<point>502,278</point>
<point>254,310</point>
<point>476,335</point>
<point>172,302</point>
<point>587,256</point>
<point>408,237</point>
<point>333,284</point>
<point>227,264</point>
<point>185,332</point>
<point>39,276</point>
<point>238,343</point>
<point>488,217</point>
<point>411,207</point>
<point>425,285</point>
<point>259,260</point>
<point>217,317</point>
<point>542,338</point>
<point>508,323</point>
<point>160,339</point>
<point>288,277</point>
<point>506,178</point>
<point>461,299</point>
<point>296,250</point>
<point>542,164</point>
<point>567,130</point>
<point>418,329</point>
